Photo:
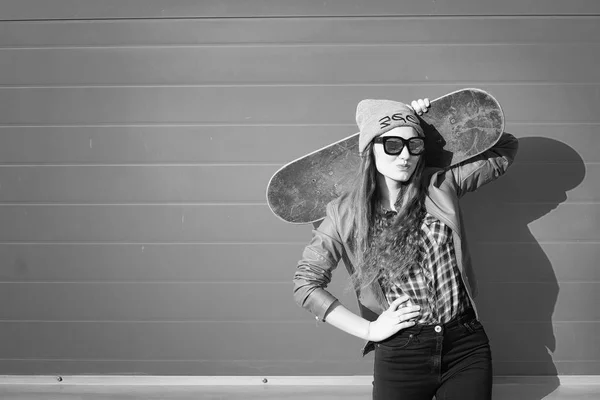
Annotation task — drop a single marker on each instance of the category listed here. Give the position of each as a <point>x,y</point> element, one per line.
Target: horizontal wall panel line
<point>557,123</point>
<point>108,186</point>
<point>308,321</point>
<point>519,342</point>
<point>218,165</point>
<point>517,162</point>
<point>166,282</point>
<point>196,302</point>
<point>226,203</point>
<point>347,367</point>
<point>272,67</point>
<point>223,203</point>
<point>494,282</point>
<point>296,16</point>
<point>245,361</point>
<point>168,204</point>
<point>192,145</point>
<point>144,360</point>
<point>371,18</point>
<point>192,124</point>
<point>222,223</point>
<point>525,242</point>
<point>225,125</point>
<point>148,164</point>
<point>283,44</point>
<point>388,30</point>
<point>134,9</point>
<point>246,282</point>
<point>247,321</point>
<point>294,85</point>
<point>240,282</point>
<point>553,360</point>
<point>465,84</point>
<point>144,105</point>
<point>31,10</point>
<point>90,243</point>
<point>158,360</point>
<point>528,203</point>
<point>486,243</point>
<point>120,243</point>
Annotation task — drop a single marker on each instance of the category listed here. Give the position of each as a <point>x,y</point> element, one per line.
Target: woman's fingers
<point>396,303</point>
<point>416,107</point>
<point>405,310</point>
<point>405,325</point>
<point>420,106</point>
<point>409,316</point>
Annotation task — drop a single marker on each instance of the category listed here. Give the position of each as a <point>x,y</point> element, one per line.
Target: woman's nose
<point>404,154</point>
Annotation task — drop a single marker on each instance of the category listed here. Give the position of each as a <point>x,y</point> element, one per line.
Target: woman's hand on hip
<point>420,106</point>
<point>397,317</point>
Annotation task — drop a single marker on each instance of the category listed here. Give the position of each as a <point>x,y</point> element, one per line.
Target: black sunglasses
<point>393,145</point>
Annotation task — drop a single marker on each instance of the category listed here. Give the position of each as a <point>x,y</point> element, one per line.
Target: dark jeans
<point>450,361</point>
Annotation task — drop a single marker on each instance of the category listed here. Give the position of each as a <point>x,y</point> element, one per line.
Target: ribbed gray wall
<point>137,139</point>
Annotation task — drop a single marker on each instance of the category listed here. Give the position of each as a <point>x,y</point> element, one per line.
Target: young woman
<point>399,232</point>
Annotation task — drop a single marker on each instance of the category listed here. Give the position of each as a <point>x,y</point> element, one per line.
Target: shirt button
<point>438,328</point>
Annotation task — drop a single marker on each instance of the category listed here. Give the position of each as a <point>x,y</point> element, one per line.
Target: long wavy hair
<point>385,247</point>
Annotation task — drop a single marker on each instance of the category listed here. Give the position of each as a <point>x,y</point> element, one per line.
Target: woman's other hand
<point>394,319</point>
<point>420,106</point>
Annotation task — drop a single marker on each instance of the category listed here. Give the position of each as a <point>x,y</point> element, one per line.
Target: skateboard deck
<point>458,126</point>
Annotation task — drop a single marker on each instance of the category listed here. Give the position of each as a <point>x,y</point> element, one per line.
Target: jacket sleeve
<point>486,167</point>
<point>313,273</point>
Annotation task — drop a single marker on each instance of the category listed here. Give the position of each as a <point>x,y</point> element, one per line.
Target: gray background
<point>137,139</point>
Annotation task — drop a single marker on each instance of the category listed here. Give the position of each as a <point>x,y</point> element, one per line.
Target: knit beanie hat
<point>375,117</point>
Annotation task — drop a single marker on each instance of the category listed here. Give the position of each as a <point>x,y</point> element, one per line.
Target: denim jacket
<point>330,241</point>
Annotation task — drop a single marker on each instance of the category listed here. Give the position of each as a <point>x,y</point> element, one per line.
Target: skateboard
<point>458,126</point>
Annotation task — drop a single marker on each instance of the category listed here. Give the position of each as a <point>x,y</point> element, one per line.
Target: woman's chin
<point>401,177</point>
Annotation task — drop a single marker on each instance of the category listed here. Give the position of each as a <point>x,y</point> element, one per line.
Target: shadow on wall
<point>517,282</point>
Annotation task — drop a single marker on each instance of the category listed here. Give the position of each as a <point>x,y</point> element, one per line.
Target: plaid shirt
<point>435,284</point>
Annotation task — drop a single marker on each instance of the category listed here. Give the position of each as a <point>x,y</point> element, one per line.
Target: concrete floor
<point>271,392</point>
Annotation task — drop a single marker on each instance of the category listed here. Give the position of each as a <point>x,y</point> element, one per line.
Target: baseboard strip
<point>357,380</point>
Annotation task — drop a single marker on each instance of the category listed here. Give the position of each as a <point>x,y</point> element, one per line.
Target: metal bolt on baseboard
<point>265,380</point>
